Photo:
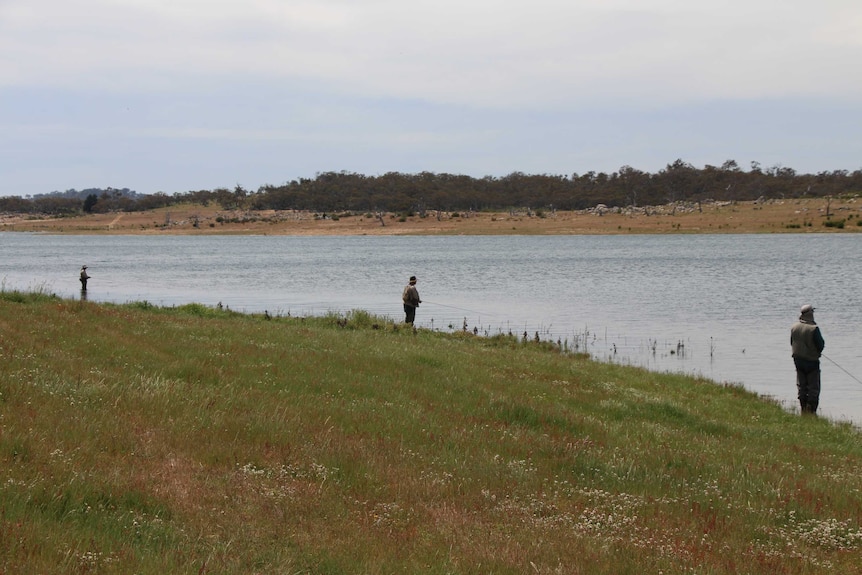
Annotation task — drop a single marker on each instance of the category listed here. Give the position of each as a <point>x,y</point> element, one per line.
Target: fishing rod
<point>841,368</point>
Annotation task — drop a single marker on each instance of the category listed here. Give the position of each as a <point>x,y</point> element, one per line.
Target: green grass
<point>139,439</point>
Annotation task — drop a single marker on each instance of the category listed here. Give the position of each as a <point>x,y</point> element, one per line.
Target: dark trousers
<point>410,313</point>
<point>808,384</point>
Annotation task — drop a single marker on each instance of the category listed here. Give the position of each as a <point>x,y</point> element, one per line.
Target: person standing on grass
<point>411,300</point>
<point>807,344</point>
<point>84,278</point>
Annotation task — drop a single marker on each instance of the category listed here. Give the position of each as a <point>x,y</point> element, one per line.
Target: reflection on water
<point>718,306</point>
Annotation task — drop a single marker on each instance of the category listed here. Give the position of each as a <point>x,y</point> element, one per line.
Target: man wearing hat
<point>411,300</point>
<point>84,278</point>
<point>807,344</point>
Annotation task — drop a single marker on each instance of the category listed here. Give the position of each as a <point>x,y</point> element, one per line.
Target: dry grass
<point>795,215</point>
<point>140,440</point>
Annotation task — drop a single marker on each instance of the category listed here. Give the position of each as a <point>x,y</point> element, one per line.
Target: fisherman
<point>807,344</point>
<point>84,278</point>
<point>411,300</point>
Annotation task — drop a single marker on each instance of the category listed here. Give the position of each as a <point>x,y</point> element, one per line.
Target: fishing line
<point>458,308</point>
<point>841,368</point>
<point>454,307</point>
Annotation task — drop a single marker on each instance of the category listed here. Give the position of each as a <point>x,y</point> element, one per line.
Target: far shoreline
<point>803,215</point>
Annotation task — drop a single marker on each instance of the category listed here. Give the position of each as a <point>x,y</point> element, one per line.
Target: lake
<point>720,306</point>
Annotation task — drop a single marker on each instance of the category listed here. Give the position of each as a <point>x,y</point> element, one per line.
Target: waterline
<point>719,307</point>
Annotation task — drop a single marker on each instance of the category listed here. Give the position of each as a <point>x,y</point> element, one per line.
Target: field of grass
<point>137,439</point>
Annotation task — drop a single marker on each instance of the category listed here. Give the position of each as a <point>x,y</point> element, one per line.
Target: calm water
<point>717,306</point>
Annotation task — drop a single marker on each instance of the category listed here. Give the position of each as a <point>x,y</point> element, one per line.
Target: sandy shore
<point>794,215</point>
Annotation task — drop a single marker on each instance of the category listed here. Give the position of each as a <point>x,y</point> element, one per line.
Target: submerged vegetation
<point>140,439</point>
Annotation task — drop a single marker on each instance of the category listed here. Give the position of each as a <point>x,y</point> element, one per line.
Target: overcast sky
<point>179,95</point>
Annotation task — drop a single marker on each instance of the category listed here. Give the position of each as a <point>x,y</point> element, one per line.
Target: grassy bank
<point>136,439</point>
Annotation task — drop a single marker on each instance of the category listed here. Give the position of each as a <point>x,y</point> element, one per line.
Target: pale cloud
<point>481,53</point>
<point>226,91</point>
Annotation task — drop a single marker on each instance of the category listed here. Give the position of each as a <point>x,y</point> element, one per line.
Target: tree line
<point>399,192</point>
